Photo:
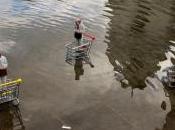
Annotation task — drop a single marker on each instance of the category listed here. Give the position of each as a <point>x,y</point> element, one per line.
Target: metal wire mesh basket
<point>75,52</point>
<point>10,91</point>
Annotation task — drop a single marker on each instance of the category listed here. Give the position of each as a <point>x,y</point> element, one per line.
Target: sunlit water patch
<point>6,45</point>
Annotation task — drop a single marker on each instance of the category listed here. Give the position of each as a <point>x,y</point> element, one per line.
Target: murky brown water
<point>132,38</point>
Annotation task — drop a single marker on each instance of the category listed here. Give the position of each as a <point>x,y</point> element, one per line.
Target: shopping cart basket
<point>75,52</point>
<point>10,91</point>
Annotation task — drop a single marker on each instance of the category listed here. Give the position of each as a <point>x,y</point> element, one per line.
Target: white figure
<point>3,69</point>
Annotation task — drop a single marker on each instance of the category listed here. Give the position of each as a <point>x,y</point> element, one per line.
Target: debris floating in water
<point>172,41</point>
<point>66,127</point>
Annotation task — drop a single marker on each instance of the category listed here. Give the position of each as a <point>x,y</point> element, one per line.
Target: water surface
<point>132,37</point>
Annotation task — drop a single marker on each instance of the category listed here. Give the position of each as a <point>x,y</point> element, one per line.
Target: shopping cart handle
<point>11,83</point>
<point>88,35</point>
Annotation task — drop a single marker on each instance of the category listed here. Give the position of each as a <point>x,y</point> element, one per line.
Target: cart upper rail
<point>89,36</point>
<point>11,83</point>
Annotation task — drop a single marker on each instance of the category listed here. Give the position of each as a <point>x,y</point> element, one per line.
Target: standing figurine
<point>79,30</point>
<point>3,69</point>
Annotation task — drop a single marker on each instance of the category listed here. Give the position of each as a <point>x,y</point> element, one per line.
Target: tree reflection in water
<point>170,118</point>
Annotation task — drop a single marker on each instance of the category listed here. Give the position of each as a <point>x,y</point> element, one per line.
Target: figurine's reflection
<point>78,68</point>
<point>10,118</point>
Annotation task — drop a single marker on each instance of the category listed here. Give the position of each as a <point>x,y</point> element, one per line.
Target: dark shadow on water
<point>170,92</point>
<point>142,17</point>
<point>134,40</point>
<point>78,68</point>
<point>134,51</point>
<point>10,117</point>
<point>6,120</point>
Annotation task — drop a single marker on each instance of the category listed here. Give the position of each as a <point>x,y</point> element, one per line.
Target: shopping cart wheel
<point>15,102</point>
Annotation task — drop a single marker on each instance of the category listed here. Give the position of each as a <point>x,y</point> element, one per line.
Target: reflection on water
<point>10,118</point>
<point>170,119</point>
<point>141,18</point>
<point>6,120</point>
<point>78,68</point>
<point>47,15</point>
<point>138,37</point>
<point>6,45</point>
<point>138,44</point>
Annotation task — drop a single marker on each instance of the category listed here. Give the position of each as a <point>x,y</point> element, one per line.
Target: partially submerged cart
<point>80,52</point>
<point>9,95</point>
<point>9,92</point>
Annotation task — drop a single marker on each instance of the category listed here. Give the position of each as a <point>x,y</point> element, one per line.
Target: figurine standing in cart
<point>79,30</point>
<point>79,51</point>
<point>3,69</point>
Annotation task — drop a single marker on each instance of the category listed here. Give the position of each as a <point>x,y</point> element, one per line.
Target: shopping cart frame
<point>9,91</point>
<point>75,52</point>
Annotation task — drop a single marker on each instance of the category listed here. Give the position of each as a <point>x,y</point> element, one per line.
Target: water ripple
<point>31,14</point>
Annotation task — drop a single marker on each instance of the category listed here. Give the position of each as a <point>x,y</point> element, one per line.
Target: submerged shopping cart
<point>9,92</point>
<point>9,98</point>
<point>80,52</point>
